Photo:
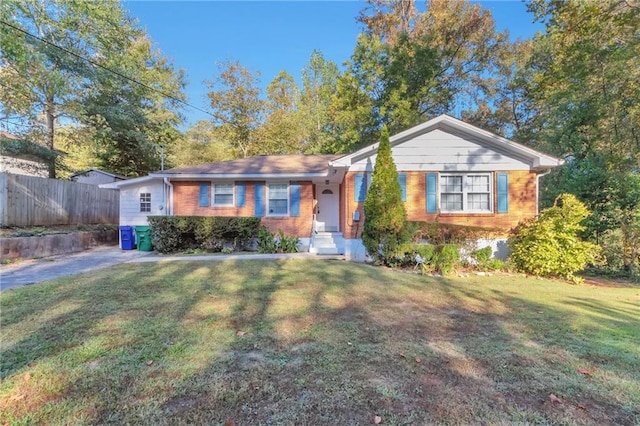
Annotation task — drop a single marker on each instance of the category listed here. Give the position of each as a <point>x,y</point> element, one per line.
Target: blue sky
<point>268,36</point>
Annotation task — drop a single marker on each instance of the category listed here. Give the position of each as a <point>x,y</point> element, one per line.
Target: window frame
<point>145,202</point>
<point>466,190</point>
<point>214,185</point>
<point>268,199</point>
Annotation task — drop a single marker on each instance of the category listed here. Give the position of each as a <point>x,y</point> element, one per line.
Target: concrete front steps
<point>327,243</point>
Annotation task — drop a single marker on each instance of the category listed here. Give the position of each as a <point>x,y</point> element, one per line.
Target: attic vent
<point>327,192</point>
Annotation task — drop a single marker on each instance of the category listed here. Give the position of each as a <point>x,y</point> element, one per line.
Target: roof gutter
<point>169,199</point>
<point>237,175</point>
<point>538,176</point>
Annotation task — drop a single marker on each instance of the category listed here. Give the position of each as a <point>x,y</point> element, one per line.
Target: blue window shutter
<point>259,200</point>
<point>503,192</point>
<point>240,194</point>
<point>204,194</point>
<point>432,193</point>
<point>360,188</point>
<point>402,179</point>
<point>294,190</point>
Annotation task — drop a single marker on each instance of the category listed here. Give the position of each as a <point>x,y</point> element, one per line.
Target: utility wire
<point>96,64</point>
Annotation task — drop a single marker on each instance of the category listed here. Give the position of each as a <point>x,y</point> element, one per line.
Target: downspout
<point>169,207</point>
<point>538,176</point>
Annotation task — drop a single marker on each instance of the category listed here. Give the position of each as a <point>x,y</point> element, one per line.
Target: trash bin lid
<point>126,228</point>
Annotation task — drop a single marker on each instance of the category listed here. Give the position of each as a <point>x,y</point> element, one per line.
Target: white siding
<point>442,151</point>
<point>130,214</point>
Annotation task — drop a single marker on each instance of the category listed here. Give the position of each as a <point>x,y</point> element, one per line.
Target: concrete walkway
<point>35,271</point>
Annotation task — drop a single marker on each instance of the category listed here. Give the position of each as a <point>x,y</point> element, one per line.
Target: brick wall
<point>186,196</point>
<point>522,204</point>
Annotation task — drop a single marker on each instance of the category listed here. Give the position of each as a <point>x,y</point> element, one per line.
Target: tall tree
<point>41,80</point>
<point>201,143</point>
<point>237,107</point>
<point>282,131</point>
<point>586,82</point>
<point>414,65</point>
<point>586,91</point>
<point>384,213</point>
<point>134,119</point>
<point>319,83</point>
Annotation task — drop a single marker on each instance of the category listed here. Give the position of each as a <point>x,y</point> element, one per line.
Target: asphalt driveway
<point>38,270</point>
<point>35,271</point>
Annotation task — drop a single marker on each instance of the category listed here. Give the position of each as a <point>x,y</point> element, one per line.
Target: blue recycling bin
<point>127,242</point>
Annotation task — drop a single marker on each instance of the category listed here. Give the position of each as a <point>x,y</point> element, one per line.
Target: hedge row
<point>177,233</point>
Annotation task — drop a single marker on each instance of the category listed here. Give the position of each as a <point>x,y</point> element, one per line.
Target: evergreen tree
<point>385,217</point>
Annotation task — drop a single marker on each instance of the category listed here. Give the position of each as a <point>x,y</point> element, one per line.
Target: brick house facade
<point>449,171</point>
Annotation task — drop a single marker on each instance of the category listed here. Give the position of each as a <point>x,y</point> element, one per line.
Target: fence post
<point>3,199</point>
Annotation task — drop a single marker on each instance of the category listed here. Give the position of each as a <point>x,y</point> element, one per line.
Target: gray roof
<point>263,164</point>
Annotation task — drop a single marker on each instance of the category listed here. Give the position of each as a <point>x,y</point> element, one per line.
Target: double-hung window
<point>145,202</point>
<point>465,193</point>
<point>278,199</point>
<point>223,194</point>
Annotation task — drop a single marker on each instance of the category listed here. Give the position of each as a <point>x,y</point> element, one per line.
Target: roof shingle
<point>263,164</point>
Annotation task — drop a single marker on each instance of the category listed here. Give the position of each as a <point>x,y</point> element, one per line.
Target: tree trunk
<point>49,112</point>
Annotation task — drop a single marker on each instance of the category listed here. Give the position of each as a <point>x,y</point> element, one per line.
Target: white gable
<point>448,144</point>
<point>439,150</point>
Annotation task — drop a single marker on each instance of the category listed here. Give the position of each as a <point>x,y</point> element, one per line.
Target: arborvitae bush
<point>176,233</point>
<point>550,245</point>
<point>385,218</point>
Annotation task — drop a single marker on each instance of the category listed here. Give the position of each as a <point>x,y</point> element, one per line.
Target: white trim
<point>238,176</point>
<point>213,194</point>
<point>133,181</point>
<point>146,202</point>
<point>465,192</point>
<point>288,185</point>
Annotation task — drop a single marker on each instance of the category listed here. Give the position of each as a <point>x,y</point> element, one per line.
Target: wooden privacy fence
<point>35,201</point>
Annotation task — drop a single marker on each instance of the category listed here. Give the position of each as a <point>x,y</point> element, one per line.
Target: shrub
<point>268,243</point>
<point>445,233</point>
<point>176,233</point>
<point>287,244</point>
<point>443,258</point>
<point>447,258</point>
<point>549,245</point>
<point>384,230</point>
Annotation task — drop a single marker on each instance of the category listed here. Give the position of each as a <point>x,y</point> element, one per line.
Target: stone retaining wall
<point>54,244</point>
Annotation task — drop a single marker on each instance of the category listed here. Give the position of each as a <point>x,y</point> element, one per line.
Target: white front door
<point>327,209</point>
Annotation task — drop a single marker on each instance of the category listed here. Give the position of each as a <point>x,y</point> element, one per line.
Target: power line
<point>96,64</point>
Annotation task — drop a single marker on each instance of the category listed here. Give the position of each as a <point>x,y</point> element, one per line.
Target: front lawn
<point>316,342</point>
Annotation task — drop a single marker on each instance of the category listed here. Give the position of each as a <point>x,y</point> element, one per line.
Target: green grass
<point>316,342</point>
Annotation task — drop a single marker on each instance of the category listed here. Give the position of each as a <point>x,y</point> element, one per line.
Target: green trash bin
<point>143,237</point>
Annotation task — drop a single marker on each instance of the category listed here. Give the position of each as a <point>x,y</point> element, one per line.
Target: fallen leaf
<point>27,377</point>
<point>150,362</point>
<point>418,360</point>
<point>584,371</point>
<point>401,355</point>
<point>240,333</point>
<point>377,420</point>
<point>230,423</point>
<point>582,406</point>
<point>554,398</point>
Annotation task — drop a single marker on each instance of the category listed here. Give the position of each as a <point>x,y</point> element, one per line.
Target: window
<point>145,202</point>
<point>278,199</point>
<point>465,193</point>
<point>223,194</point>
